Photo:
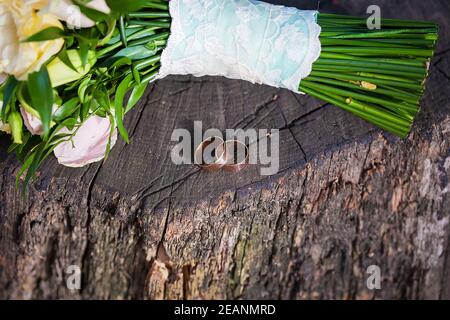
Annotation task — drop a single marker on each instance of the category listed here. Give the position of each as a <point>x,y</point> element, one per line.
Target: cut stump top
<point>308,127</point>
<point>347,196</point>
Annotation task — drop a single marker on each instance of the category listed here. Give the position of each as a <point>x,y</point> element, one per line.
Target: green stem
<point>150,23</point>
<point>371,64</point>
<point>375,80</point>
<point>149,15</point>
<point>396,107</point>
<point>395,129</point>
<point>391,93</point>
<point>380,51</point>
<point>411,75</point>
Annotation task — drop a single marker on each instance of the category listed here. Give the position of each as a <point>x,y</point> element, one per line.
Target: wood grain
<point>347,196</point>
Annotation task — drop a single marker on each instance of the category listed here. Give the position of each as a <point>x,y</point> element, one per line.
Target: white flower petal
<point>18,21</point>
<point>66,11</point>
<point>32,123</point>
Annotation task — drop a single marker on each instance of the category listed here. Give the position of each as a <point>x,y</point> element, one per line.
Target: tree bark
<point>347,197</point>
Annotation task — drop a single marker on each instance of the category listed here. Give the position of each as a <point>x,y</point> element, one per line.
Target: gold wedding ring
<point>216,158</point>
<point>230,155</point>
<point>237,156</point>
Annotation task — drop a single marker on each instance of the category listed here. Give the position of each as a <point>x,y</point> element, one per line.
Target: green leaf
<point>16,123</point>
<point>136,95</point>
<point>70,123</point>
<point>39,150</point>
<point>136,53</point>
<point>131,33</point>
<point>84,51</point>
<point>41,92</point>
<point>118,106</point>
<point>111,23</point>
<point>121,62</point>
<point>69,41</point>
<point>64,57</point>
<point>8,92</point>
<point>124,7</point>
<point>111,132</point>
<point>30,142</point>
<point>84,110</point>
<point>50,33</point>
<point>83,86</point>
<point>102,100</point>
<point>34,165</point>
<point>27,163</point>
<point>92,14</point>
<point>136,75</point>
<point>67,109</point>
<point>122,28</point>
<point>24,98</point>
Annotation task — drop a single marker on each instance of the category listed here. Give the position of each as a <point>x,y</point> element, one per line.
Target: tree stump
<point>347,197</point>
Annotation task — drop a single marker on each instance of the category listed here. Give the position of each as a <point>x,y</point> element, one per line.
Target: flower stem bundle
<point>378,75</point>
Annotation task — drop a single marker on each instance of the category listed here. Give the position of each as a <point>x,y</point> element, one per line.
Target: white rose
<point>19,19</point>
<point>88,145</point>
<point>66,11</point>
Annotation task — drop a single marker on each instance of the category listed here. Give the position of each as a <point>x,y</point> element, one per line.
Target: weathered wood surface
<point>347,197</point>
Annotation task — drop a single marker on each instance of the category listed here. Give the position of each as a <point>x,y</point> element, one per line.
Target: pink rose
<point>32,123</point>
<point>88,145</point>
<point>3,77</point>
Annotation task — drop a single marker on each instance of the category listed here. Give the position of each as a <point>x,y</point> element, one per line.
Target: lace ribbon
<point>242,39</point>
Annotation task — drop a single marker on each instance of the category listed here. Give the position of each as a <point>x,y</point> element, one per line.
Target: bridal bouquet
<point>70,70</point>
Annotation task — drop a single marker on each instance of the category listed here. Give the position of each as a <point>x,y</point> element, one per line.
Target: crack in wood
<point>295,121</point>
<point>287,126</point>
<point>183,179</point>
<point>141,111</point>
<point>443,73</point>
<point>87,224</point>
<point>254,115</point>
<point>443,52</point>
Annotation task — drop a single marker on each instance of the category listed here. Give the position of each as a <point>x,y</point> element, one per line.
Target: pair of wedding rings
<point>215,154</point>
